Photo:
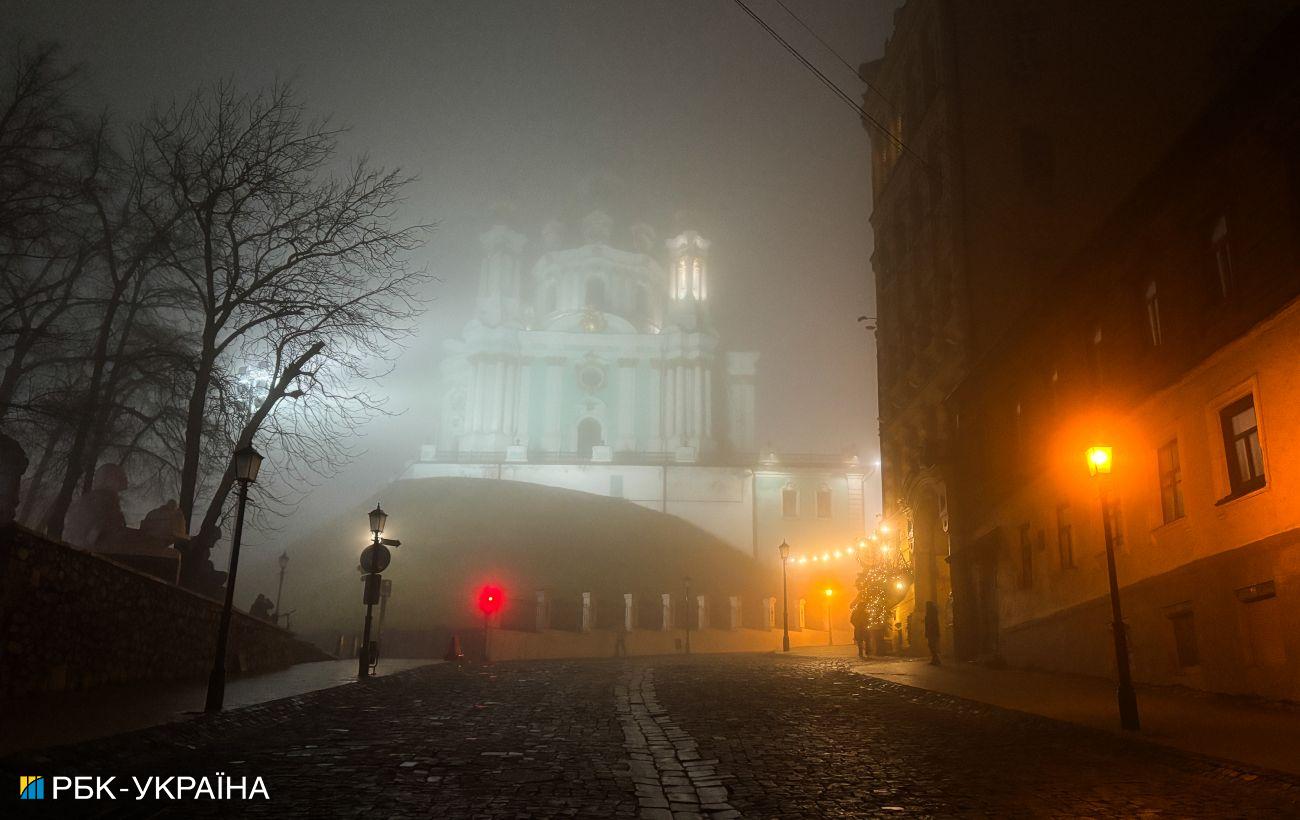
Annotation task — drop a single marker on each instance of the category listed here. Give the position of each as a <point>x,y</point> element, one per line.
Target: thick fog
<point>681,106</point>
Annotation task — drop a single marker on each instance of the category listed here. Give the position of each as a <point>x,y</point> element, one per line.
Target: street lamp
<point>785,598</point>
<point>830,633</point>
<point>374,560</point>
<point>279,590</point>
<point>1100,461</point>
<point>247,462</point>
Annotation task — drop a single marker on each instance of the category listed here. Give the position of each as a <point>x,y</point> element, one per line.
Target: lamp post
<point>279,590</point>
<point>1099,467</point>
<point>374,560</point>
<point>830,633</point>
<point>785,598</point>
<point>687,614</point>
<point>247,462</point>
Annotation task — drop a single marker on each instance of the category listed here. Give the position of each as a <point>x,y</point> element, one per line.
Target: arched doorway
<point>589,435</point>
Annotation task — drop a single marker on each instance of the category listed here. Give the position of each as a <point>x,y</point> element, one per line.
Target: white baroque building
<point>596,368</point>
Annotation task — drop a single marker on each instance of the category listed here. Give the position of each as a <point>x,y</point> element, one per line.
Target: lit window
<point>1171,482</point>
<point>696,284</point>
<point>1222,255</point>
<point>1242,447</point>
<point>823,502</point>
<point>790,502</point>
<point>1064,536</point>
<point>1153,315</point>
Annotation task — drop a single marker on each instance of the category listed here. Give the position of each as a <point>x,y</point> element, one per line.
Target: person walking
<point>932,631</point>
<point>861,628</point>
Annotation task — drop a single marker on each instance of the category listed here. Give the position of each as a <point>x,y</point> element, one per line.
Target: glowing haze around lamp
<point>1099,461</point>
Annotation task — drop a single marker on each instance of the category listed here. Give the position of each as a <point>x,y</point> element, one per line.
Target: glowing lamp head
<point>899,585</point>
<point>378,519</point>
<point>785,551</point>
<point>247,462</point>
<point>829,592</point>
<point>490,599</point>
<point>884,528</point>
<point>862,543</point>
<point>1099,461</point>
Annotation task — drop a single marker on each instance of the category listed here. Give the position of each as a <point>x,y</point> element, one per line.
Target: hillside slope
<point>458,534</point>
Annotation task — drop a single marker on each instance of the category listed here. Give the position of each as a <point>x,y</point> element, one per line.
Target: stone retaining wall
<point>72,620</point>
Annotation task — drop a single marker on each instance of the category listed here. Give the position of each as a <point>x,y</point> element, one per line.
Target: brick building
<point>1171,335</point>
<point>1014,129</point>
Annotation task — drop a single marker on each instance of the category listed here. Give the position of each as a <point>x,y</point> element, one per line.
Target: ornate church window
<point>789,502</point>
<point>823,501</point>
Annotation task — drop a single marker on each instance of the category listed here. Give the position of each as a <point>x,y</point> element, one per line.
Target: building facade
<point>1170,336</point>
<point>1000,143</point>
<point>597,368</point>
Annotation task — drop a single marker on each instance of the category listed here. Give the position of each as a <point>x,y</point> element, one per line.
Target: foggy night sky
<point>690,104</point>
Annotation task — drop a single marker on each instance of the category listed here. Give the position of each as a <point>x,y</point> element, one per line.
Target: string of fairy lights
<point>857,549</point>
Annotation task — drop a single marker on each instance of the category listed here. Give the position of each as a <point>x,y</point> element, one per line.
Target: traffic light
<point>490,599</point>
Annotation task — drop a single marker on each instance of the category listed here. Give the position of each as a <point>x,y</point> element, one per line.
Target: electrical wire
<point>829,83</point>
<point>837,55</point>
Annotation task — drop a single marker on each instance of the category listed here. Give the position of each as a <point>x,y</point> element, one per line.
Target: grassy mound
<point>461,533</point>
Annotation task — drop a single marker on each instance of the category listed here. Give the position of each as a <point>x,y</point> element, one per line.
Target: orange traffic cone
<point>453,650</point>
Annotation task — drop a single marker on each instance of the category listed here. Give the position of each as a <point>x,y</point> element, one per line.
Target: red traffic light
<point>490,599</point>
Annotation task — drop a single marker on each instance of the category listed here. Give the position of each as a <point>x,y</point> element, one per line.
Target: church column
<point>654,385</point>
<point>476,398</point>
<point>554,389</point>
<point>508,406</point>
<point>669,394</point>
<point>524,388</point>
<point>679,404</point>
<point>627,404</point>
<point>698,403</point>
<point>708,403</point>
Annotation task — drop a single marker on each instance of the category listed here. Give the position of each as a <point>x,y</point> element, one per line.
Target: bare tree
<point>285,267</point>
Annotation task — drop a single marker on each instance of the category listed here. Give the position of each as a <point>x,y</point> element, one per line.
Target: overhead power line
<point>837,55</point>
<point>829,83</point>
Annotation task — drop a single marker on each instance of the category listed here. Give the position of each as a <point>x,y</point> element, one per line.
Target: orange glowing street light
<point>1100,460</point>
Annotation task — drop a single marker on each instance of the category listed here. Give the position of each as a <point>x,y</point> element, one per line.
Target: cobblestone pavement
<point>704,736</point>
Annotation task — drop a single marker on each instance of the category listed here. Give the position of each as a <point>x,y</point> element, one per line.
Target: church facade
<point>595,367</point>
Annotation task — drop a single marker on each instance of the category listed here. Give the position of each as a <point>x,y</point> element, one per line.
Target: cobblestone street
<point>712,736</point>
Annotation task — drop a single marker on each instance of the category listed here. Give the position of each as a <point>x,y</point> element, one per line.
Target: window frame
<point>1171,479</point>
<point>1240,485</point>
<point>824,492</point>
<point>794,493</point>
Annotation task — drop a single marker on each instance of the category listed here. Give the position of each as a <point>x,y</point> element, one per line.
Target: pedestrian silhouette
<point>932,631</point>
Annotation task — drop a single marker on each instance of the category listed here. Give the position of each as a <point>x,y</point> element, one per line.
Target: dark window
<point>1171,482</point>
<point>1183,621</point>
<point>1026,558</point>
<point>824,502</point>
<point>1241,446</point>
<point>790,502</point>
<point>1064,536</point>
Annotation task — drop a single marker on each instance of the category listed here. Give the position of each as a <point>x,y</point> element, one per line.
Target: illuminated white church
<point>592,364</point>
